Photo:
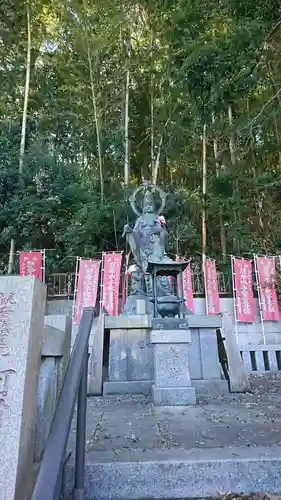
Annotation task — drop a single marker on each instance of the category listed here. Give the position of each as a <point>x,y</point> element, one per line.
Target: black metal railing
<point>61,285</point>
<point>50,477</point>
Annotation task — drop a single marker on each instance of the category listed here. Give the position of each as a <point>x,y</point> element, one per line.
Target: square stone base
<point>173,396</point>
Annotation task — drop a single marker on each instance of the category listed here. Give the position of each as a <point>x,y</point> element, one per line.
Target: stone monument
<point>166,342</point>
<point>22,307</point>
<point>158,346</point>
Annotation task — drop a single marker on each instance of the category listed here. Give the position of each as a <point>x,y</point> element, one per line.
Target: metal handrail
<point>49,480</point>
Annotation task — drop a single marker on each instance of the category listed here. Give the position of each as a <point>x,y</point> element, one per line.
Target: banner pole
<point>75,287</point>
<point>102,278</point>
<point>234,297</point>
<point>205,282</point>
<point>43,263</point>
<point>259,297</point>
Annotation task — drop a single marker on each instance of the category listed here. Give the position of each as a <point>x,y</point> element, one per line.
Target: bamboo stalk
<point>26,91</point>
<point>233,161</point>
<point>222,228</point>
<point>126,125</point>
<point>94,101</point>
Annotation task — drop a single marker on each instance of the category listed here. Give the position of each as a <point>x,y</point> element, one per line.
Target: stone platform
<point>224,443</point>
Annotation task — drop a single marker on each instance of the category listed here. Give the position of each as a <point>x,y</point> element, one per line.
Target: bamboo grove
<point>98,96</point>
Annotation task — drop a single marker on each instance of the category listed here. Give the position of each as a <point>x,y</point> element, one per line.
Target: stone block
<point>128,387</point>
<point>238,379</point>
<point>261,347</point>
<point>259,361</point>
<point>46,403</point>
<point>130,356</point>
<point>55,355</point>
<point>171,367</point>
<point>117,368</point>
<point>60,343</point>
<point>178,473</point>
<point>57,333</point>
<point>272,360</point>
<point>204,321</point>
<point>195,361</point>
<point>22,307</point>
<point>170,336</point>
<point>209,353</point>
<point>127,322</point>
<point>53,341</point>
<point>173,396</point>
<point>139,355</point>
<point>246,356</point>
<point>213,386</point>
<point>95,372</point>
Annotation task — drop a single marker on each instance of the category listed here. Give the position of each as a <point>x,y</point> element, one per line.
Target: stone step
<point>177,474</point>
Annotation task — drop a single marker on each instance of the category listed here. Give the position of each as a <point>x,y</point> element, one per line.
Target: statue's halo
<point>147,185</point>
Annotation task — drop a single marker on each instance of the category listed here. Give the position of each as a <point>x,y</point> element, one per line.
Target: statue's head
<point>148,203</point>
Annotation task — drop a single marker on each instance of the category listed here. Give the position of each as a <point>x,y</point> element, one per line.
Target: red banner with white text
<point>211,287</point>
<point>266,275</point>
<point>111,282</point>
<point>187,288</point>
<point>87,287</point>
<point>31,264</point>
<point>244,296</point>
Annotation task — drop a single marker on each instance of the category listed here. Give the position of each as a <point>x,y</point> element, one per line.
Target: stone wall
<point>55,353</point>
<point>248,334</point>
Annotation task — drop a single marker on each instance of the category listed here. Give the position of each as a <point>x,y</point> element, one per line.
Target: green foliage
<point>189,61</point>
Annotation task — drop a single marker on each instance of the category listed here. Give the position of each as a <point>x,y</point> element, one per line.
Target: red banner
<point>187,288</point>
<point>244,296</point>
<point>31,264</point>
<point>211,287</point>
<point>87,287</point>
<point>111,281</point>
<point>266,272</point>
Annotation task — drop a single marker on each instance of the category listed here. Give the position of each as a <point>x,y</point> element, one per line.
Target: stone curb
<point>176,474</point>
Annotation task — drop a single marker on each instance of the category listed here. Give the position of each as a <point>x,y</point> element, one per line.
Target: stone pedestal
<point>130,369</point>
<point>172,384</point>
<point>22,307</point>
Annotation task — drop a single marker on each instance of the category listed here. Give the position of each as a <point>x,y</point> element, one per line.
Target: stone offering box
<point>171,361</point>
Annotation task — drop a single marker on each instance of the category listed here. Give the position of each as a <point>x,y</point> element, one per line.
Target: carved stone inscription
<point>4,388</point>
<point>7,301</point>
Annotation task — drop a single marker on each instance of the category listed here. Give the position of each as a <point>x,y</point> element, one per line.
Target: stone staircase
<point>224,443</point>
